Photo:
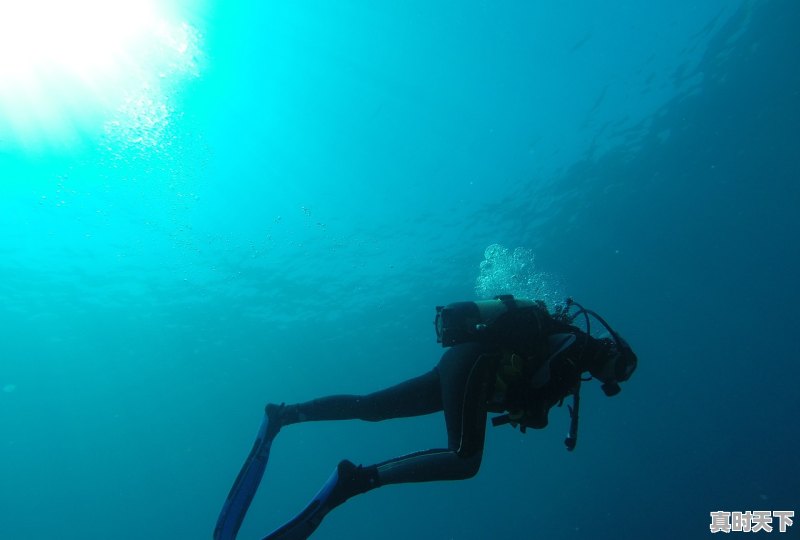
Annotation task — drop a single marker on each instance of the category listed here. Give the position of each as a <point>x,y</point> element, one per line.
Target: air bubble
<point>513,272</point>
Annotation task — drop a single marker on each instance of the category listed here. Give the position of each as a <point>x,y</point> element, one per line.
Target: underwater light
<point>66,66</point>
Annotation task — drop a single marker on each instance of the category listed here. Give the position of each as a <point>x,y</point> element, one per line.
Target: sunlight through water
<point>76,70</point>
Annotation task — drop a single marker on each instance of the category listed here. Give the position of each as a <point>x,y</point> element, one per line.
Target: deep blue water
<point>284,226</point>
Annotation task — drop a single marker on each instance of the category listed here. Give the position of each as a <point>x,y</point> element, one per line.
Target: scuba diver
<point>506,355</point>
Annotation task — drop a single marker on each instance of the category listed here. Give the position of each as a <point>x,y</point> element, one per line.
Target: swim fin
<point>307,521</point>
<point>345,482</point>
<point>247,481</point>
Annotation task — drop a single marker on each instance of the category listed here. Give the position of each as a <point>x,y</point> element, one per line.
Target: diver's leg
<point>463,379</point>
<point>467,374</point>
<point>414,397</point>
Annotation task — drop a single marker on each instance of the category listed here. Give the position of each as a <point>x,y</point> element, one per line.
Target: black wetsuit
<point>462,385</point>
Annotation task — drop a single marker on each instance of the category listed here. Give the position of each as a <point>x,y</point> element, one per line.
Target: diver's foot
<point>276,414</point>
<point>352,480</point>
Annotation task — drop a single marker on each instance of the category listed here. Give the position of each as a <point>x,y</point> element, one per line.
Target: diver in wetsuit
<point>504,355</point>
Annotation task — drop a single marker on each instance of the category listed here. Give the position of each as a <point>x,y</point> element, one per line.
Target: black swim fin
<point>246,484</point>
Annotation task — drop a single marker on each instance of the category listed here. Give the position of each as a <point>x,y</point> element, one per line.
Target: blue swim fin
<point>307,521</point>
<point>246,484</point>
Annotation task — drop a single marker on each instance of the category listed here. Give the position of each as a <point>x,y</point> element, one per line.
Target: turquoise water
<point>270,211</point>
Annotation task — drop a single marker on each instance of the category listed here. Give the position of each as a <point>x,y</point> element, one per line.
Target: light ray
<point>72,69</point>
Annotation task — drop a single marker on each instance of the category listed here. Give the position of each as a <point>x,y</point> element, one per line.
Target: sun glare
<point>68,68</point>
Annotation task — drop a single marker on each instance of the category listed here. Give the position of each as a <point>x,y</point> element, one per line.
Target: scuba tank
<point>461,322</point>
